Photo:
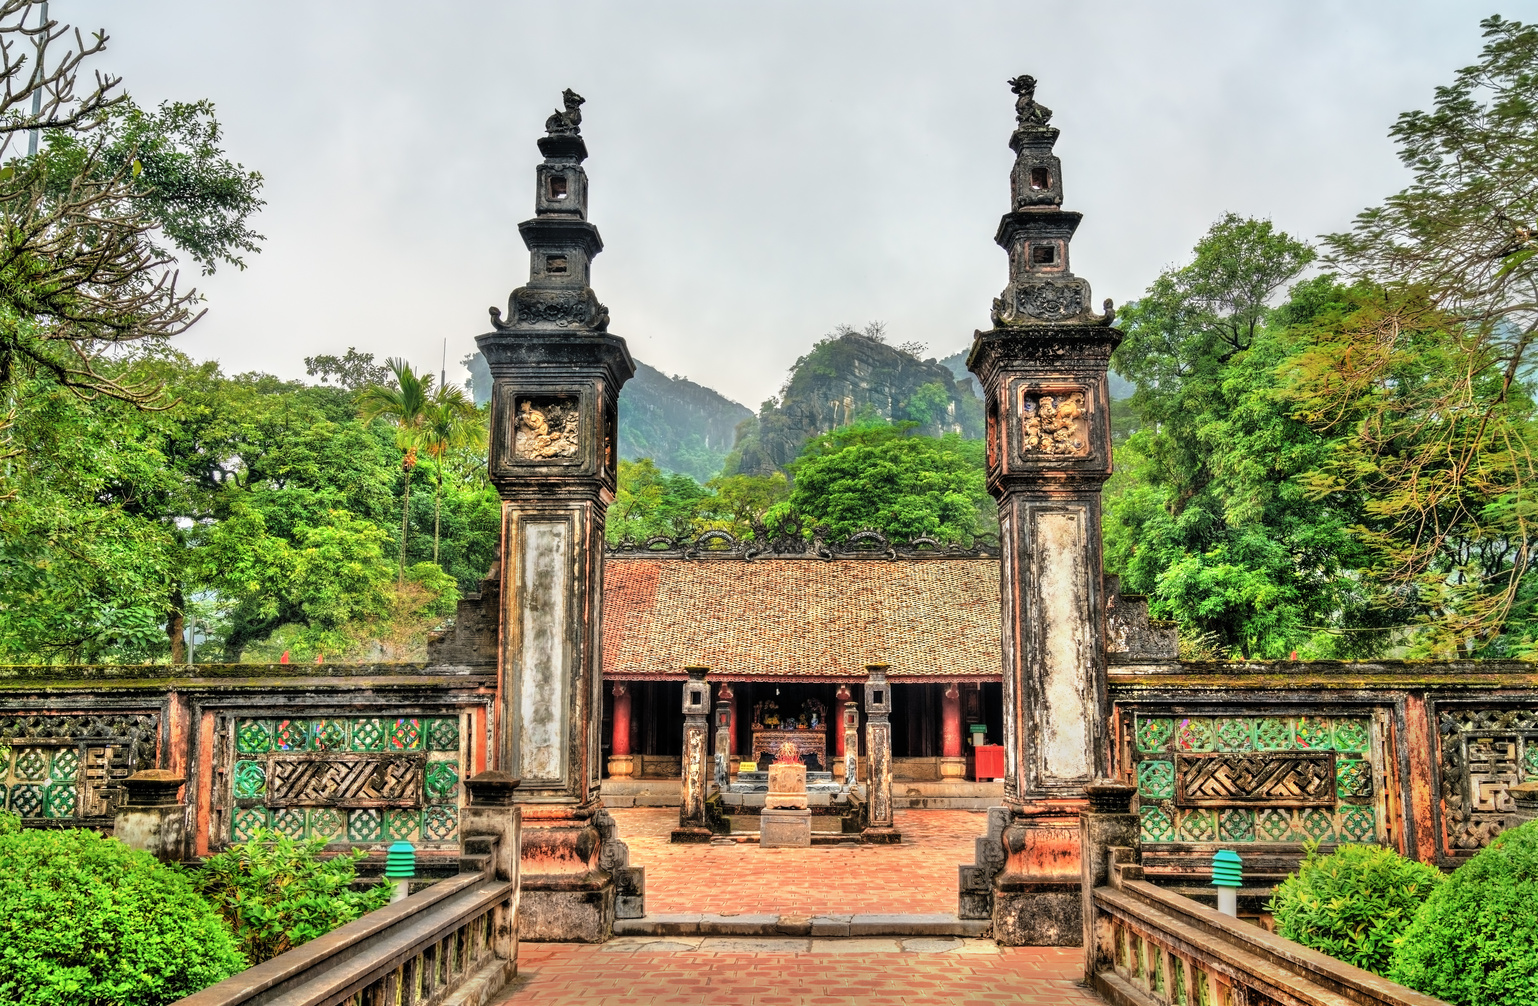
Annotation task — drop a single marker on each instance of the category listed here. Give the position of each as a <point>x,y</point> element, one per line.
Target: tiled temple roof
<point>796,618</point>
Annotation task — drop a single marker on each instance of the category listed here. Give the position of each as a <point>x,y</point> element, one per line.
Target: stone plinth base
<point>1037,915</point>
<point>881,836</point>
<point>785,828</point>
<point>621,766</point>
<point>953,769</point>
<point>690,835</point>
<point>565,912</point>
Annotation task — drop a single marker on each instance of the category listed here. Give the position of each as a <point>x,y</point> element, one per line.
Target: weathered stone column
<point>556,378</point>
<point>1109,822</point>
<point>1043,370</point>
<point>152,819</point>
<point>850,746</point>
<point>953,761</point>
<point>492,826</point>
<point>723,743</point>
<point>878,755</point>
<point>692,826</point>
<point>621,762</point>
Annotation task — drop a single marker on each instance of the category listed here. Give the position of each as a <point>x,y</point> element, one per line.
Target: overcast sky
<point>759,172</point>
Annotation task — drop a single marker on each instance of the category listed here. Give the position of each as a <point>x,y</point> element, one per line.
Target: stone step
<point>707,924</point>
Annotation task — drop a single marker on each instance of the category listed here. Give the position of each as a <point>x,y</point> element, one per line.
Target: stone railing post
<point>878,754</point>
<point>692,826</point>
<point>492,813</point>
<point>152,818</point>
<point>1108,822</point>
<point>492,824</point>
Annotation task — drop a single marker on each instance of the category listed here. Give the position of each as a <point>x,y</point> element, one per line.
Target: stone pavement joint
<point>785,971</point>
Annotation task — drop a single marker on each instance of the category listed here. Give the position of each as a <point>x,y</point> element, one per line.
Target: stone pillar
<point>556,377</point>
<point>621,761</point>
<point>692,824</point>
<point>1108,822</point>
<point>850,743</point>
<point>723,745</point>
<point>1043,370</point>
<point>878,755</point>
<point>152,819</point>
<point>953,761</point>
<point>491,825</point>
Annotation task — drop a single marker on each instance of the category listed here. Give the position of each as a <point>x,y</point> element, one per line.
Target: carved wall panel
<point>363,780</point>
<point>1483,752</point>
<point>546,429</point>
<point>1246,778</point>
<point>1055,423</point>
<point>71,767</point>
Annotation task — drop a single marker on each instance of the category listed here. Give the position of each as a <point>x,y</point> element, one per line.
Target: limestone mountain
<point>848,376</point>
<point>682,426</point>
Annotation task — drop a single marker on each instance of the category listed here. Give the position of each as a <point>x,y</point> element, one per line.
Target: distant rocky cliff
<point>682,426</point>
<point>848,377</point>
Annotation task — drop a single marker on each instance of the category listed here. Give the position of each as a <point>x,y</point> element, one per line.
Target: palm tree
<point>453,422</point>
<point>406,405</point>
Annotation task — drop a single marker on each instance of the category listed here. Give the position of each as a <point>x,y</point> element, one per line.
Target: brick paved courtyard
<point>916,877</point>
<point>638,971</point>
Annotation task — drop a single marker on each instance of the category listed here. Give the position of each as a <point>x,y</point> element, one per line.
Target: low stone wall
<point>361,755</point>
<point>1262,757</point>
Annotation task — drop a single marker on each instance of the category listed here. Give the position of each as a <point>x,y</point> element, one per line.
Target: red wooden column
<point>728,698</point>
<point>953,762</point>
<point>621,764</point>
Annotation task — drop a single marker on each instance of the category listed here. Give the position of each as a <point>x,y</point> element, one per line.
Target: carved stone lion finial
<point>1027,112</point>
<point>569,122</point>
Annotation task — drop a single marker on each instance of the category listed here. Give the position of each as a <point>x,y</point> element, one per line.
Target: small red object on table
<point>989,762</point>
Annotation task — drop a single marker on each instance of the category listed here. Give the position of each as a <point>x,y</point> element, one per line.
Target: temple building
<point>787,634</point>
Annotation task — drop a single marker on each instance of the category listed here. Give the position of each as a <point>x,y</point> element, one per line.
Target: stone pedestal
<point>787,787</point>
<point>152,819</point>
<point>953,769</point>
<point>785,828</point>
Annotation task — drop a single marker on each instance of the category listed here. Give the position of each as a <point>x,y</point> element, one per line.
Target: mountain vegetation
<point>854,376</point>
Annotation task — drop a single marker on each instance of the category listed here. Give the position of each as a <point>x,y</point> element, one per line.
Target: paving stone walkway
<point>640,971</point>
<point>917,876</point>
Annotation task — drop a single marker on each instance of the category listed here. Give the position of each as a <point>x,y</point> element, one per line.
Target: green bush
<point>1354,903</point>
<point>1475,943</point>
<point>87,921</point>
<point>276,893</point>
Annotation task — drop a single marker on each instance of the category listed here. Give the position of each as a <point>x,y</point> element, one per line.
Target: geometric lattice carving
<point>344,781</point>
<point>1269,778</point>
<point>1353,777</point>
<point>1483,752</point>
<point>1280,779</point>
<point>358,779</point>
<point>70,766</point>
<point>1195,735</point>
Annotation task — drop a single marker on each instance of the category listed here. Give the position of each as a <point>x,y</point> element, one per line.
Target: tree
<point>407,405</point>
<point>1209,512</point>
<point>880,476</point>
<point>452,422</point>
<point>92,218</point>
<point>1428,378</point>
<point>352,371</point>
<point>651,504</point>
